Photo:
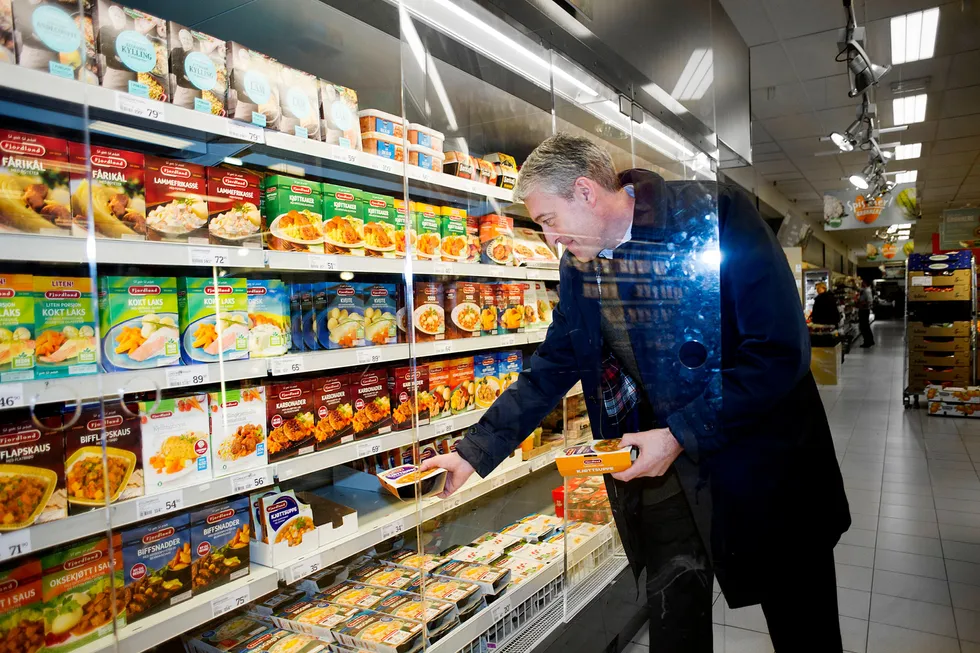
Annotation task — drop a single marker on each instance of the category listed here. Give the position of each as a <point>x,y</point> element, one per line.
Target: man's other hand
<point>457,471</point>
<point>658,450</point>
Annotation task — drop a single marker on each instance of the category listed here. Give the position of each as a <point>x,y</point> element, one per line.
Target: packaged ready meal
<point>219,543</point>
<point>437,615</point>
<point>372,408</point>
<point>537,551</point>
<point>293,214</point>
<point>462,307</point>
<point>487,175</point>
<point>276,640</point>
<point>382,575</point>
<point>412,559</point>
<point>387,147</point>
<point>341,125</point>
<point>510,304</point>
<point>17,341</point>
<point>138,323</point>
<point>324,578</point>
<point>285,520</point>
<point>532,528</point>
<point>530,247</point>
<point>77,587</point>
<point>532,322</point>
<point>383,123</point>
<point>89,466</point>
<point>289,416</point>
<point>452,231</point>
<point>213,319</point>
<point>113,180</point>
<point>596,457</point>
<point>269,329</point>
<point>280,598</point>
<point>505,168</point>
<point>50,36</point>
<point>379,313</point>
<point>133,52</point>
<point>34,184</point>
<point>64,327</point>
<point>334,411</point>
<point>467,596</point>
<point>176,201</point>
<point>489,315</point>
<point>459,164</point>
<point>380,226</point>
<point>198,73</point>
<point>440,389</point>
<point>234,197</point>
<point>429,318</point>
<point>22,626</point>
<point>424,137</point>
<point>176,442</point>
<point>343,220</point>
<point>401,481</point>
<point>316,618</point>
<point>339,313</point>
<point>299,103</point>
<point>238,435</point>
<point>485,377</point>
<point>425,157</point>
<point>408,388</point>
<point>354,594</point>
<point>497,239</point>
<point>491,580</point>
<point>405,235</point>
<point>253,89</point>
<point>381,633</point>
<point>509,366</point>
<point>226,635</point>
<point>428,227</point>
<point>157,566</point>
<point>463,383</point>
<point>32,471</point>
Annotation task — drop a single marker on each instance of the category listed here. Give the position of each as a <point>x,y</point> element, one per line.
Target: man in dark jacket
<point>691,347</point>
<point>824,307</point>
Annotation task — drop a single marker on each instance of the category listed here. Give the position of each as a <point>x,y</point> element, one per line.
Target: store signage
<point>878,251</point>
<point>850,210</point>
<point>960,228</point>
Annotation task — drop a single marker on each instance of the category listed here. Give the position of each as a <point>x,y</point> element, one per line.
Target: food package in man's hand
<point>595,457</point>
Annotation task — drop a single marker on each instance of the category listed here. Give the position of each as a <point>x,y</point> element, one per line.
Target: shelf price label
<point>15,543</point>
<point>324,262</point>
<point>922,281</point>
<point>11,395</point>
<point>288,365</point>
<point>442,427</point>
<point>230,601</point>
<point>304,568</point>
<point>182,377</point>
<point>453,502</point>
<point>537,336</point>
<point>208,256</point>
<point>443,268</point>
<point>500,608</point>
<point>365,449</point>
<point>383,165</point>
<point>508,340</point>
<point>159,504</point>
<point>393,529</point>
<point>140,107</point>
<point>369,356</point>
<point>498,482</point>
<point>444,347</point>
<point>425,175</point>
<point>244,132</point>
<point>248,481</point>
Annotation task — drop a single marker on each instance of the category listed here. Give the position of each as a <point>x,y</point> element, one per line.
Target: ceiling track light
<point>861,71</point>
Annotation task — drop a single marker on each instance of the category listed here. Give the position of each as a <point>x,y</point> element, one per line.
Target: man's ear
<point>586,190</point>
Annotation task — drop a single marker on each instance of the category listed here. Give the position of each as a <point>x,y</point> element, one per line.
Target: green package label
<point>213,319</point>
<point>138,323</point>
<point>16,327</point>
<point>64,327</point>
<point>343,220</point>
<point>293,214</point>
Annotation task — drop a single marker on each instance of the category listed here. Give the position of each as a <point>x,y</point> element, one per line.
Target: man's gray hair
<point>555,164</point>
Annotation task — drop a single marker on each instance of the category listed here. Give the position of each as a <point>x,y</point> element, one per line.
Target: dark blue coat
<point>724,357</point>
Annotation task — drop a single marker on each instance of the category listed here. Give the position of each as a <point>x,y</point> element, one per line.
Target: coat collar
<point>652,203</point>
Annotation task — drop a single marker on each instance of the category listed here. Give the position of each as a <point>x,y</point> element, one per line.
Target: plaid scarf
<point>619,391</point>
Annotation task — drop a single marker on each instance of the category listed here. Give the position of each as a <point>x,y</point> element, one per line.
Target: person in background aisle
<point>824,307</point>
<point>864,303</point>
<point>736,478</point>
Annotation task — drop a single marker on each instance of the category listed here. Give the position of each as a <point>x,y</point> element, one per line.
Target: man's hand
<point>458,470</point>
<point>658,450</point>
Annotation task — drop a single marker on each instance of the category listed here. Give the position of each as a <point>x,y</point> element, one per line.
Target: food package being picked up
<point>595,457</point>
<point>400,481</point>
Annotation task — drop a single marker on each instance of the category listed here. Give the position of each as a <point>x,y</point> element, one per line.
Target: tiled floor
<point>908,570</point>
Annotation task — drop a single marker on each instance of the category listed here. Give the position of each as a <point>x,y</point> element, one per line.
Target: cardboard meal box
<point>413,560</point>
<point>219,543</point>
<point>86,460</point>
<point>489,314</point>
<point>32,463</point>
<point>269,328</point>
<point>372,407</point>
<point>468,597</point>
<point>294,525</point>
<point>138,322</point>
<point>198,70</point>
<point>324,578</point>
<point>505,168</point>
<point>22,627</point>
<point>486,383</point>
<point>381,633</point>
<point>440,389</point>
<point>16,327</point>
<point>314,617</point>
<point>226,635</point>
<point>426,219</point>
<point>279,599</point>
<point>76,575</point>
<point>510,307</point>
<point>380,226</point>
<point>334,411</point>
<point>289,418</point>
<point>156,565</point>
<point>238,430</point>
<point>382,575</point>
<point>497,239</point>
<point>510,364</point>
<point>452,231</point>
<point>34,173</point>
<point>234,198</point>
<point>491,580</point>
<point>343,220</point>
<point>276,640</point>
<point>115,191</point>
<point>133,52</point>
<point>596,457</point>
<point>341,125</point>
<point>380,308</point>
<point>429,318</point>
<point>253,89</point>
<point>213,319</point>
<point>50,36</point>
<point>176,442</point>
<point>176,201</point>
<point>299,103</point>
<point>463,309</point>
<point>64,328</point>
<point>408,388</point>
<point>339,315</point>
<point>293,210</point>
<point>402,481</point>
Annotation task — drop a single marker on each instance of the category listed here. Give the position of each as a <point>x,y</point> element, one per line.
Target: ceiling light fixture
<point>696,77</point>
<point>909,151</point>
<point>909,109</point>
<point>914,35</point>
<point>907,177</point>
<point>861,71</point>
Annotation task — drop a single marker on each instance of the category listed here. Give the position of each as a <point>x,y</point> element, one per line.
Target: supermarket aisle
<point>908,571</point>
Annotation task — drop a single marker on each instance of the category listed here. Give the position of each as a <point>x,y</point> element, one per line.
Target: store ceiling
<point>799,93</point>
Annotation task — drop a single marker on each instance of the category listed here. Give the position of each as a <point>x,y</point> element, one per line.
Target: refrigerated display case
<point>262,263</point>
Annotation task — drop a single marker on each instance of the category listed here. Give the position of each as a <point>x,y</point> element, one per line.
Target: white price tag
<point>15,543</point>
<point>193,375</point>
<point>444,426</point>
<point>533,273</point>
<point>248,481</point>
<point>304,568</point>
<point>443,268</point>
<point>288,365</point>
<point>230,601</point>
<point>508,340</point>
<point>537,336</point>
<point>208,256</point>
<point>368,449</point>
<point>426,175</point>
<point>141,107</point>
<point>11,395</point>
<point>344,155</point>
<point>500,608</point>
<point>244,132</point>
<point>159,504</point>
<point>498,482</point>
<point>369,356</point>
<point>383,165</point>
<point>444,347</point>
<point>324,262</point>
<point>921,281</point>
<point>453,502</point>
<point>542,461</point>
<point>393,529</point>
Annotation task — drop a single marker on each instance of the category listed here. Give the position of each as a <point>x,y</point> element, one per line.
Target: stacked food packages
<point>583,499</point>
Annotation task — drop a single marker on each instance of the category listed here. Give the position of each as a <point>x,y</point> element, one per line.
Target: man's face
<point>573,223</point>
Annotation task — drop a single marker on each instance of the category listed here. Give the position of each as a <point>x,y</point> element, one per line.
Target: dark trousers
<point>864,323</point>
<point>800,605</point>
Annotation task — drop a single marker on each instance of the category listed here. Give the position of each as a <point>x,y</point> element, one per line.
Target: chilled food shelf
<point>379,519</point>
<point>158,628</point>
<point>179,123</point>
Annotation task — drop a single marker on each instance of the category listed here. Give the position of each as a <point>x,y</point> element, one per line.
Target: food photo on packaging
<point>157,566</point>
<point>115,188</point>
<point>234,198</point>
<point>380,239</point>
<point>219,543</point>
<point>64,326</point>
<point>343,220</point>
<point>176,201</point>
<point>372,407</point>
<point>339,310</point>
<point>428,228</point>
<point>138,322</point>
<point>22,628</point>
<point>57,37</point>
<point>379,301</point>
<point>17,344</point>
<point>269,328</point>
<point>462,308</point>
<point>133,52</point>
<point>253,89</point>
<point>198,72</point>
<point>213,319</point>
<point>408,388</point>
<point>238,429</point>
<point>32,470</point>
<point>429,316</point>
<point>290,419</point>
<point>35,196</point>
<point>176,442</point>
<point>299,103</point>
<point>293,214</point>
<point>333,405</point>
<point>341,125</point>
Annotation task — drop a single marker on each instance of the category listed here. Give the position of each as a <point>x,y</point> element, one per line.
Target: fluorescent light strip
<point>907,177</point>
<point>910,151</point>
<point>914,35</point>
<point>428,66</point>
<point>909,109</point>
<point>139,135</point>
<point>696,77</point>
